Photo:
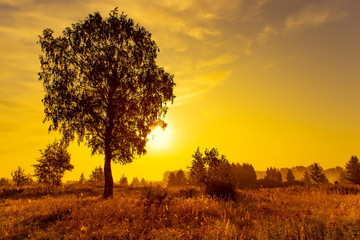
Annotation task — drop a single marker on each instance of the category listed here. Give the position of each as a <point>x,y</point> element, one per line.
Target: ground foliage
<point>310,212</point>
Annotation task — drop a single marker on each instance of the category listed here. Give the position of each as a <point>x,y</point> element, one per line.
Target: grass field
<point>78,212</point>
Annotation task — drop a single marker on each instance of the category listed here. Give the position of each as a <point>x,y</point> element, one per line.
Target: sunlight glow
<point>160,138</point>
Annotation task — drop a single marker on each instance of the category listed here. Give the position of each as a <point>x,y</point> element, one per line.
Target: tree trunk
<point>108,190</point>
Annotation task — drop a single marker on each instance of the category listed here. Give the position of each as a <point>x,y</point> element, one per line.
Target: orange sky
<point>267,82</point>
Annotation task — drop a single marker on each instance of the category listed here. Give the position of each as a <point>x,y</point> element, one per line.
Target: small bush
<point>342,189</point>
<point>153,196</point>
<point>223,190</point>
<point>269,183</point>
<point>293,183</point>
<point>189,192</point>
<point>38,191</point>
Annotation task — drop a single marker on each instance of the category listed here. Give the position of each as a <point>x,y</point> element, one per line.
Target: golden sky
<point>267,82</point>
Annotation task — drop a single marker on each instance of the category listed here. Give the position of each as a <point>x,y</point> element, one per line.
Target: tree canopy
<point>103,85</point>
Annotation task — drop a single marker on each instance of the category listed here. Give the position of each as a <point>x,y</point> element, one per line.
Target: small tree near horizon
<point>103,85</point>
<point>306,178</point>
<point>124,181</point>
<point>19,177</point>
<point>180,178</point>
<point>172,180</point>
<point>352,170</point>
<point>213,172</point>
<point>135,182</point>
<point>177,178</point>
<point>317,174</point>
<point>290,178</point>
<point>4,182</point>
<point>52,164</point>
<point>244,175</point>
<point>97,176</point>
<point>82,178</point>
<point>143,182</point>
<point>273,174</point>
<point>197,169</point>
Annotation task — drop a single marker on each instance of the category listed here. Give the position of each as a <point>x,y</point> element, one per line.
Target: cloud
<point>218,61</point>
<point>231,10</point>
<point>175,5</point>
<point>195,85</point>
<point>201,33</point>
<point>268,66</point>
<point>195,36</point>
<point>17,113</point>
<point>266,34</point>
<point>246,44</point>
<point>313,16</point>
<point>7,103</point>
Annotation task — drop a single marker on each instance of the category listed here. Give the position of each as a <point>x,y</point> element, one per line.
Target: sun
<point>160,138</point>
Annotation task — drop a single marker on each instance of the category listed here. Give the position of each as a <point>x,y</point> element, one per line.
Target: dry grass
<point>135,213</point>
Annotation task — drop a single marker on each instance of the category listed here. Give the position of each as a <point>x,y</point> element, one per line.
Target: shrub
<point>293,183</point>
<point>342,189</point>
<point>223,190</point>
<point>269,183</point>
<point>189,192</point>
<point>153,196</point>
<point>39,191</point>
<point>4,182</point>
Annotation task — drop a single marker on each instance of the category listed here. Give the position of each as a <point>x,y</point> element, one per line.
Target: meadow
<point>78,212</point>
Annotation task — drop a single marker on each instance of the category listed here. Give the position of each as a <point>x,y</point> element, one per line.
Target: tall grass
<point>153,213</point>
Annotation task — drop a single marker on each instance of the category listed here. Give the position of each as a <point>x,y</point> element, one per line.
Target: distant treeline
<point>208,170</point>
<point>218,177</point>
<point>96,178</point>
<point>245,176</point>
<point>332,174</point>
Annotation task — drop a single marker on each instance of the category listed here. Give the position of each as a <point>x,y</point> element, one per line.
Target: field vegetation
<point>75,211</point>
<point>213,200</point>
